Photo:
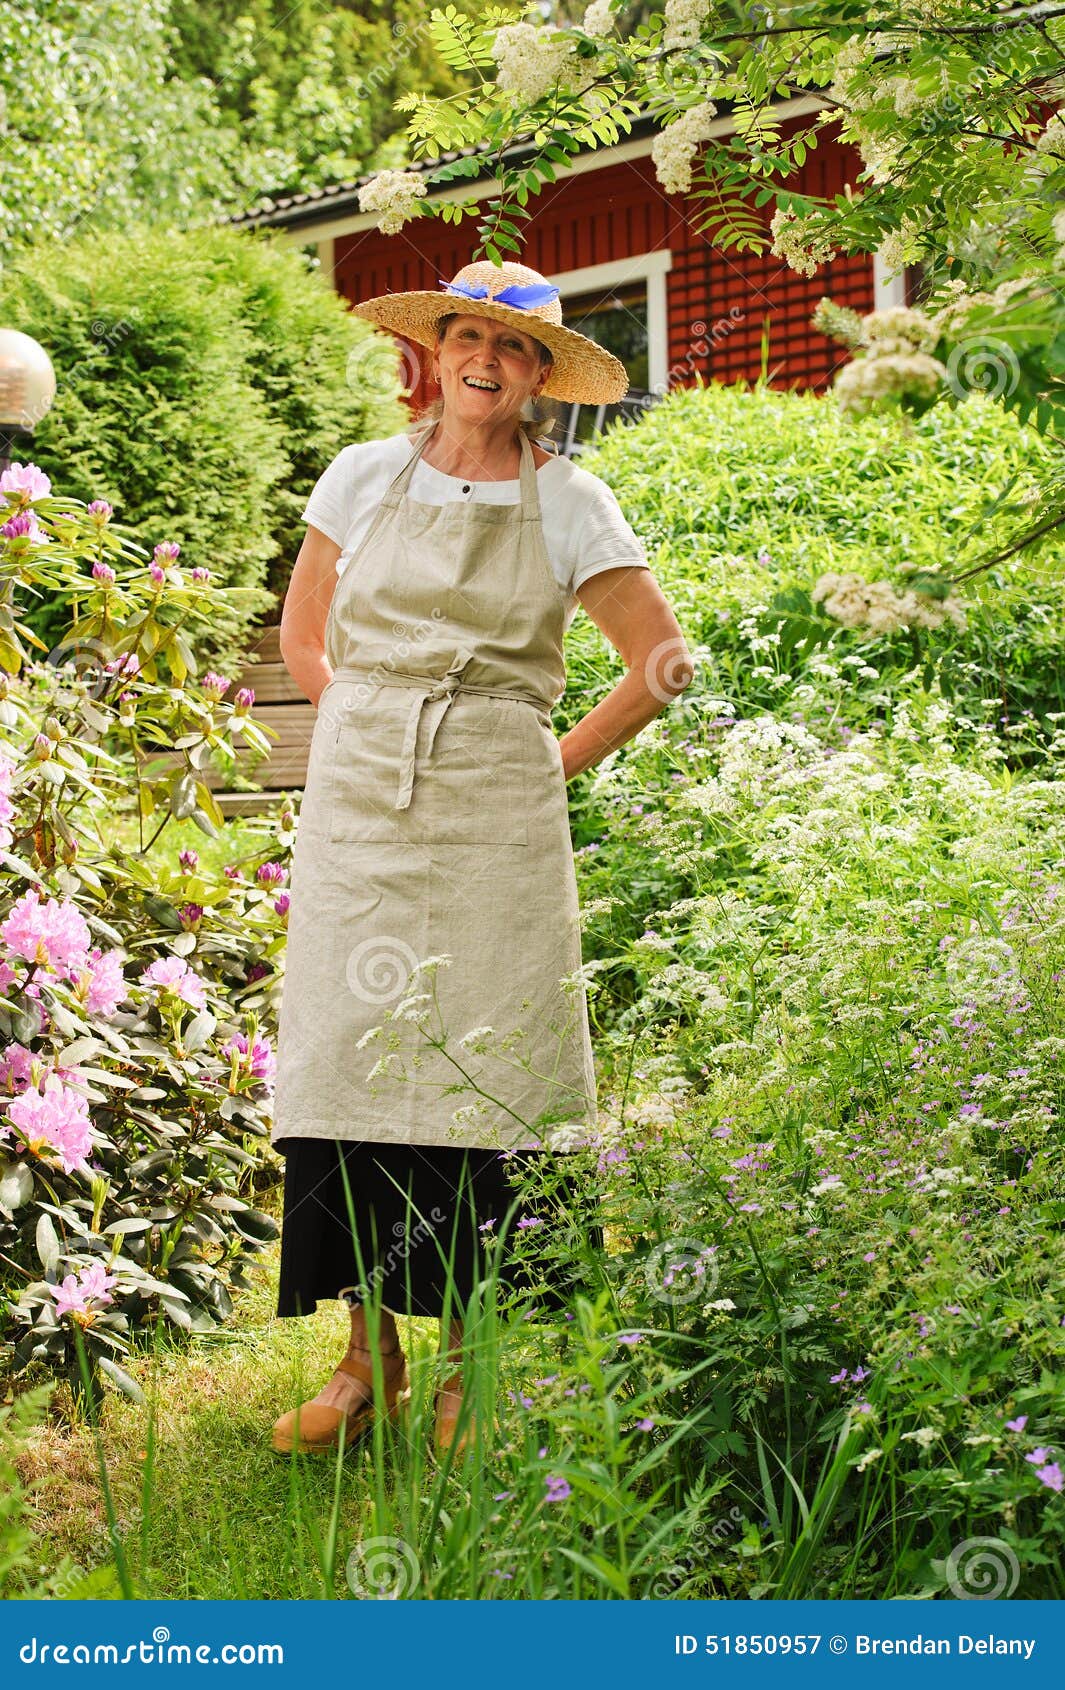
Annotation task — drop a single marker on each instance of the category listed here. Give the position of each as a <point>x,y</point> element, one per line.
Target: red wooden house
<point>633,271</point>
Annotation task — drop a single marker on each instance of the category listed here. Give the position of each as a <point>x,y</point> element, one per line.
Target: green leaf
<point>118,1376</point>
<point>47,1241</point>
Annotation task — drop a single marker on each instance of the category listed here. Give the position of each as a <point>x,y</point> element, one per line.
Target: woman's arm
<point>629,607</point>
<point>303,615</point>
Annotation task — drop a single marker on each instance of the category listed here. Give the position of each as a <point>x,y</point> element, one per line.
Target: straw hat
<point>584,372</point>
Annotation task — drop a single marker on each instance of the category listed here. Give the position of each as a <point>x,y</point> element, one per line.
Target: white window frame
<point>651,268</point>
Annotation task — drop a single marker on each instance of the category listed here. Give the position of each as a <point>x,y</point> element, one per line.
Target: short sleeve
<point>329,505</point>
<point>604,539</point>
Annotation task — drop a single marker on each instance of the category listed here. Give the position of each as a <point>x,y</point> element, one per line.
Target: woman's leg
<point>345,1392</point>
<point>452,1385</point>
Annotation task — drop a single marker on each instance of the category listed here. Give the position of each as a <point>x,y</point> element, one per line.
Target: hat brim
<point>584,372</point>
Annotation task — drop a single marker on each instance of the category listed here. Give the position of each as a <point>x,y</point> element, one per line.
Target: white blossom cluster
<point>598,19</point>
<point>798,244</point>
<point>897,330</point>
<point>859,81</point>
<point>684,22</point>
<point>673,150</point>
<point>531,61</point>
<point>393,194</point>
<point>894,360</point>
<point>876,607</point>
<point>1052,138</point>
<point>880,155</point>
<point>949,317</point>
<point>762,752</point>
<point>902,246</point>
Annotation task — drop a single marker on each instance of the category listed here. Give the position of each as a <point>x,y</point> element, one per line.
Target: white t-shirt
<point>585,531</point>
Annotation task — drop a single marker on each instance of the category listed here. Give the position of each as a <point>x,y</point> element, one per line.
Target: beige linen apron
<point>434,823</point>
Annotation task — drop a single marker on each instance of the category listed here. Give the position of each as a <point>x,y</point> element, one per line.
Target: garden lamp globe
<point>27,388</point>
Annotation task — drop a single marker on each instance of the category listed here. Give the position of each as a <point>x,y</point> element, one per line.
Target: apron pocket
<point>364,770</point>
<point>470,789</point>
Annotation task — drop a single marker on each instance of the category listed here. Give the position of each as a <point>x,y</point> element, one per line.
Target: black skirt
<point>422,1214</point>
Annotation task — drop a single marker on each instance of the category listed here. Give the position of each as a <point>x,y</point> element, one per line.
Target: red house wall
<point>612,213</point>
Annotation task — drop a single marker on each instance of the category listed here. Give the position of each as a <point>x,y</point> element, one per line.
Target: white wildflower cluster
<point>1058,226</point>
<point>531,61</point>
<point>673,150</point>
<point>797,241</point>
<point>478,1038</point>
<point>877,608</point>
<point>392,193</point>
<point>866,1460</point>
<point>1052,138</point>
<point>599,18</point>
<point>684,22</point>
<point>657,1109</point>
<point>924,1435</point>
<point>764,749</point>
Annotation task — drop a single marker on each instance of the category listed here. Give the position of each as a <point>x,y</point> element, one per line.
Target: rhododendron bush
<point>135,987</point>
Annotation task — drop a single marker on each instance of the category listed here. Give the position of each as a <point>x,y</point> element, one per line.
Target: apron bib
<point>434,824</point>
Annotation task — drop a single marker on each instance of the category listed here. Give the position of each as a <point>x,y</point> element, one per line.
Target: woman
<point>434,823</point>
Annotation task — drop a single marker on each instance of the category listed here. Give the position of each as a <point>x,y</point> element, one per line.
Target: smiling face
<point>487,369</point>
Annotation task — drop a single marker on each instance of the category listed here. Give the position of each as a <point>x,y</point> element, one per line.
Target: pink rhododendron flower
<point>101,982</point>
<point>24,526</point>
<point>15,1062</point>
<point>51,933</point>
<point>262,1063</point>
<point>58,1118</point>
<point>7,809</point>
<point>22,483</point>
<point>91,1285</point>
<point>128,663</point>
<point>172,974</point>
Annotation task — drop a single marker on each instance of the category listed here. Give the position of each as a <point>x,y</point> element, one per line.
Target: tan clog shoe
<point>447,1407</point>
<point>313,1426</point>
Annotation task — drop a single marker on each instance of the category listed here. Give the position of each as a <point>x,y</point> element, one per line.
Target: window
<point>621,306</point>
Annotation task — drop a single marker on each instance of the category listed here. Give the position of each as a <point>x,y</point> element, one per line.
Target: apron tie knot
<point>441,691</point>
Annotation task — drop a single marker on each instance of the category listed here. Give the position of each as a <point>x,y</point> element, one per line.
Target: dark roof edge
<point>321,205</point>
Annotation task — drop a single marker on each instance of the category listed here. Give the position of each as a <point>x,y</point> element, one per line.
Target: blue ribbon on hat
<point>523,298</point>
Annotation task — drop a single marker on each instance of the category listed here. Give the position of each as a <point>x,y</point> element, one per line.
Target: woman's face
<point>479,349</point>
